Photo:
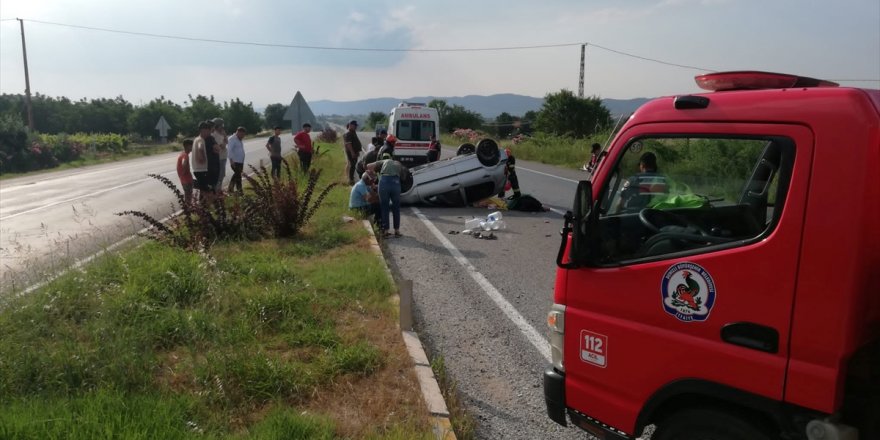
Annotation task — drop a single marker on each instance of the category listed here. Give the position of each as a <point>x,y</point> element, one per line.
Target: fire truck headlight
<point>556,323</point>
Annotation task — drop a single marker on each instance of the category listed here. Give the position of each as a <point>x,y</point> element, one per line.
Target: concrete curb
<point>427,382</point>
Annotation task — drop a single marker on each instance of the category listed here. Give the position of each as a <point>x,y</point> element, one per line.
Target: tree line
<point>562,114</point>
<point>62,115</point>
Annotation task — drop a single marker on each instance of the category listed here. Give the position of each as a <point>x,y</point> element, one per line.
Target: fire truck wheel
<point>708,424</point>
<point>488,152</point>
<point>466,148</point>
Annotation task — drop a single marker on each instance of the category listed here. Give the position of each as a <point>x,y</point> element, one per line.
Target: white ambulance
<point>413,124</point>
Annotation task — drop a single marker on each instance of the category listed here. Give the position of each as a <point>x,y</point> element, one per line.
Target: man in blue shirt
<point>363,198</point>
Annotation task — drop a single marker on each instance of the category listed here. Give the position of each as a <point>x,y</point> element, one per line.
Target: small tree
<point>460,117</point>
<point>143,119</point>
<point>376,118</point>
<point>236,113</point>
<point>201,108</point>
<point>273,115</point>
<point>504,125</point>
<point>565,114</point>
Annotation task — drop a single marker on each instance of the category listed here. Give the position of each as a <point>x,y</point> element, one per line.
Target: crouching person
<point>364,197</point>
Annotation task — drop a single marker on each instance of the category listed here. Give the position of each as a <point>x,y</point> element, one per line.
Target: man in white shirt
<point>235,148</point>
<point>199,161</point>
<point>219,135</point>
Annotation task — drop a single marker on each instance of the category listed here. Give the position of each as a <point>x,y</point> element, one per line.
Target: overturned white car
<point>475,173</point>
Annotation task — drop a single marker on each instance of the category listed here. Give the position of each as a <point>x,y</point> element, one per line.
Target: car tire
<point>488,152</point>
<point>466,148</point>
<point>709,423</point>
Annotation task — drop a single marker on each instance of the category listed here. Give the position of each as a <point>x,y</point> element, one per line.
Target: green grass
<point>463,424</point>
<point>157,342</point>
<point>553,150</point>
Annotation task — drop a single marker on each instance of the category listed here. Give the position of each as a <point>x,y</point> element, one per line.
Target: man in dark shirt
<point>212,149</point>
<point>352,150</point>
<point>370,157</point>
<point>273,145</point>
<point>639,190</point>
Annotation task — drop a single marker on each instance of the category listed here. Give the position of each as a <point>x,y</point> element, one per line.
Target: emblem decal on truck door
<point>688,292</point>
<point>594,348</point>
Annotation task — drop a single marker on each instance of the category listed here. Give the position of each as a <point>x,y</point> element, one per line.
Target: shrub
<point>200,224</point>
<point>14,154</point>
<point>277,203</point>
<point>328,135</point>
<point>466,134</point>
<point>276,207</point>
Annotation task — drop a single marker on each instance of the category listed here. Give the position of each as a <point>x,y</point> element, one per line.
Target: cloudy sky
<point>827,39</point>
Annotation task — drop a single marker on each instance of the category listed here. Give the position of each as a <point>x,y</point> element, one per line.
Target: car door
<point>716,310</point>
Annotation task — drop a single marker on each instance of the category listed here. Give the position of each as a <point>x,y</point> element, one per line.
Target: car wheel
<point>488,152</point>
<point>465,148</point>
<point>707,423</point>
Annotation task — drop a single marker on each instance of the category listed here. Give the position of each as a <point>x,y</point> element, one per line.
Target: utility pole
<point>581,83</point>
<point>27,80</point>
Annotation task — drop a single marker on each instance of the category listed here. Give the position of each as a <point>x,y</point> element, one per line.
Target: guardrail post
<point>406,292</point>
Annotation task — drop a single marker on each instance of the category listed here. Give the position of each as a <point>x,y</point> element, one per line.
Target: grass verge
<point>282,338</point>
<point>462,422</point>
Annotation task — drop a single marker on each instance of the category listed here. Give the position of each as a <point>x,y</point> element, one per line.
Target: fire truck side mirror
<point>583,225</point>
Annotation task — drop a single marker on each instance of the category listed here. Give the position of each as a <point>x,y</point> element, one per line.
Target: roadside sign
<point>163,127</point>
<point>298,113</point>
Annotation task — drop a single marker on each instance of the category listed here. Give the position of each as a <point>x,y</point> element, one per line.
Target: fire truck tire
<point>488,152</point>
<point>707,423</point>
<point>466,148</point>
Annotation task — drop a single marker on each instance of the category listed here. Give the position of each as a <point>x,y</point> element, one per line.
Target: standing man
<point>352,150</point>
<point>185,173</point>
<point>200,161</point>
<point>236,159</point>
<point>274,147</point>
<point>434,149</point>
<point>212,149</point>
<point>510,172</point>
<point>303,142</point>
<point>219,134</point>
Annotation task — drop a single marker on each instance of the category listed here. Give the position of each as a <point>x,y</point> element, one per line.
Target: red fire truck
<point>716,275</point>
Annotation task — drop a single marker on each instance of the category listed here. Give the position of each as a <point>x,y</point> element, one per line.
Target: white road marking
<point>546,174</point>
<point>558,211</point>
<point>532,335</point>
<point>49,205</point>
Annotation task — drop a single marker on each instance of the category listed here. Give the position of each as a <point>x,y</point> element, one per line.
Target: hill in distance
<point>488,106</point>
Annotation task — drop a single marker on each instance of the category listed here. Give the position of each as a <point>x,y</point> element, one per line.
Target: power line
<point>300,46</point>
<point>370,49</point>
<point>362,49</point>
<point>702,69</point>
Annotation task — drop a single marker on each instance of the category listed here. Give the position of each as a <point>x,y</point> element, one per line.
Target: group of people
<point>202,163</point>
<point>376,192</point>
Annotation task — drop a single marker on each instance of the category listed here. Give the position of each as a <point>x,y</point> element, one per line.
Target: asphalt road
<point>51,219</point>
<point>482,304</point>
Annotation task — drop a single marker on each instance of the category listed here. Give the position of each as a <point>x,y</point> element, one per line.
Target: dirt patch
<point>363,406</point>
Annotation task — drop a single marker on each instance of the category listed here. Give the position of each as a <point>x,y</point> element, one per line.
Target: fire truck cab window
<point>672,196</point>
